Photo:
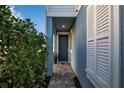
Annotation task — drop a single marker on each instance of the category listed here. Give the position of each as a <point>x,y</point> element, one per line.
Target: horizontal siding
<point>61,6</point>
<point>61,10</point>
<point>79,48</point>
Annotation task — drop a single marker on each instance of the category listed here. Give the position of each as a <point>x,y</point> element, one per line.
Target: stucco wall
<point>78,61</point>
<point>122,43</point>
<point>49,34</point>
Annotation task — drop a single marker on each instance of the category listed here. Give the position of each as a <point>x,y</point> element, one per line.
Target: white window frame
<point>116,68</point>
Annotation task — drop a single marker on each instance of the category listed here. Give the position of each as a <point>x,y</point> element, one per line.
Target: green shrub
<point>22,52</point>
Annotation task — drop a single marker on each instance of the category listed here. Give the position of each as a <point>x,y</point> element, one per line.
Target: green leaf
<point>4,84</point>
<point>22,66</point>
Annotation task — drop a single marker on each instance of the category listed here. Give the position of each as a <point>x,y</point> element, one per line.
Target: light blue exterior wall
<point>79,48</point>
<point>49,34</point>
<point>122,43</point>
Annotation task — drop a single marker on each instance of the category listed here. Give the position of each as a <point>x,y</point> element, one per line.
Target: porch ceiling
<point>63,23</point>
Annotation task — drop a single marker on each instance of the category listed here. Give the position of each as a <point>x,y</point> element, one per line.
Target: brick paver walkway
<point>62,77</point>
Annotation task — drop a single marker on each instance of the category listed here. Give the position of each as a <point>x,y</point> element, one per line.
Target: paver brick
<point>62,76</point>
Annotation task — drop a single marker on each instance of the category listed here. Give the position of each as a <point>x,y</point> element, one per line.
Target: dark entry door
<point>63,48</point>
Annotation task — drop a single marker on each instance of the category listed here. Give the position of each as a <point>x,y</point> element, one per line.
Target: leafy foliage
<point>22,52</point>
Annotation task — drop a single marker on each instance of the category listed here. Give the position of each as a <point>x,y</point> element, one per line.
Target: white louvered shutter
<point>90,44</point>
<point>103,65</point>
<point>102,46</point>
